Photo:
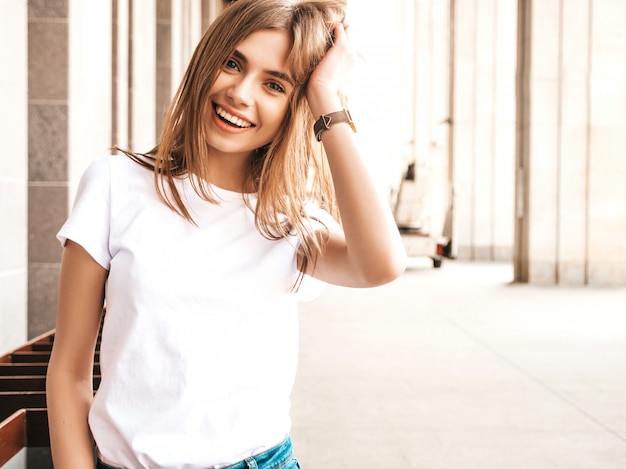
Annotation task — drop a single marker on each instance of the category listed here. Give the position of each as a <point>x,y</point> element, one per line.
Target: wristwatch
<point>327,120</point>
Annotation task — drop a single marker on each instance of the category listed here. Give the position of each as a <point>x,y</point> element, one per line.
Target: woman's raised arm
<point>371,252</point>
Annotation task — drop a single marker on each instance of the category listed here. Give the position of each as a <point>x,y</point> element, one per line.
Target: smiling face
<point>250,96</point>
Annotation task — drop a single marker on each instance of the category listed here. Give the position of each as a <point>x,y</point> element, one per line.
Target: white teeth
<point>232,119</point>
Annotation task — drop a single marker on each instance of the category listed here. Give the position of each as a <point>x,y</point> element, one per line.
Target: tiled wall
<point>47,155</point>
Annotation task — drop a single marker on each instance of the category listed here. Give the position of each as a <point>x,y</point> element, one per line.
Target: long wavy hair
<point>289,172</point>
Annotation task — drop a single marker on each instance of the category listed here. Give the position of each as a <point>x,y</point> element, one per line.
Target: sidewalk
<point>458,368</point>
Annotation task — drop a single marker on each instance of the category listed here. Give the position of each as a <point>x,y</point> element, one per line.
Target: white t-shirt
<point>200,341</point>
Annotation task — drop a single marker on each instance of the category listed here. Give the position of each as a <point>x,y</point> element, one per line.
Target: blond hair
<point>289,172</point>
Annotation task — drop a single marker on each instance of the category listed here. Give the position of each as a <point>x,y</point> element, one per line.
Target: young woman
<point>203,257</point>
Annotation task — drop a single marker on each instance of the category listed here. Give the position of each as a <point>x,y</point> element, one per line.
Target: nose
<point>241,91</point>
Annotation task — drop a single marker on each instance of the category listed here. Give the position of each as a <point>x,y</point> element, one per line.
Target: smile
<point>230,119</point>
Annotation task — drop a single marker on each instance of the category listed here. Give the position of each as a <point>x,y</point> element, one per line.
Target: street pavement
<point>460,368</point>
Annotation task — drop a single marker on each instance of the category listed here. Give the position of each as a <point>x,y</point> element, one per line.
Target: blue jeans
<point>278,457</point>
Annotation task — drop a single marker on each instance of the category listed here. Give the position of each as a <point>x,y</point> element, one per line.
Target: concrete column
<point>164,59</point>
<point>572,166</point>
<point>186,16</point>
<point>544,147</point>
<point>47,155</point>
<point>607,141</point>
<point>573,142</point>
<point>143,75</point>
<point>432,110</point>
<point>121,74</point>
<point>483,123</point>
<point>14,174</point>
<point>210,9</point>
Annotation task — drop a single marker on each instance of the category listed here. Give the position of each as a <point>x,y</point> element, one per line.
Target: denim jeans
<point>278,457</point>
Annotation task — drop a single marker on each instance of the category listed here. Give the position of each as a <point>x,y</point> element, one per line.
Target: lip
<point>233,113</point>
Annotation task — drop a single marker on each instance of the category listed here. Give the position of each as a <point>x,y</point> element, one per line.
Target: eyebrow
<point>274,73</point>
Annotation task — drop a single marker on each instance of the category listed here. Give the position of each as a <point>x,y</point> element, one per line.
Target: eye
<point>274,86</point>
<point>230,64</point>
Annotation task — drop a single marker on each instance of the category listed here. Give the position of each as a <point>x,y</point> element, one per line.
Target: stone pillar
<point>47,155</point>
<point>180,25</point>
<point>483,126</point>
<point>186,32</point>
<point>163,60</point>
<point>14,174</point>
<point>210,9</point>
<point>571,216</point>
<point>606,167</point>
<point>431,108</point>
<point>142,103</point>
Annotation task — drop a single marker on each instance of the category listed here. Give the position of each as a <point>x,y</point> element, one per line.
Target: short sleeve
<point>89,220</point>
<point>311,288</point>
<point>320,218</point>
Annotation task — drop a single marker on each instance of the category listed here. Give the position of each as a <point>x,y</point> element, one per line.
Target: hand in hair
<point>369,251</point>
<point>327,79</point>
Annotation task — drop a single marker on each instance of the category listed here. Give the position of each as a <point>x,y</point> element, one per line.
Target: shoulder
<point>117,161</point>
<point>122,163</point>
<point>113,167</point>
<point>112,173</point>
<point>97,174</point>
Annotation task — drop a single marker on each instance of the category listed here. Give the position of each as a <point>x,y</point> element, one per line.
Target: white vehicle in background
<point>423,211</point>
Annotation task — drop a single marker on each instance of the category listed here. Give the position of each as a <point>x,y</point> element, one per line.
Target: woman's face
<point>250,96</point>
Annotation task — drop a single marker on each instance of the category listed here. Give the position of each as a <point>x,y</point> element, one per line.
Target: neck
<point>227,170</point>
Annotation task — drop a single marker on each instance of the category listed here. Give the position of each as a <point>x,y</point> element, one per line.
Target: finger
<point>344,31</point>
<point>338,32</point>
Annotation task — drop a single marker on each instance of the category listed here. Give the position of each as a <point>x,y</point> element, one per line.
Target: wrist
<point>323,102</point>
